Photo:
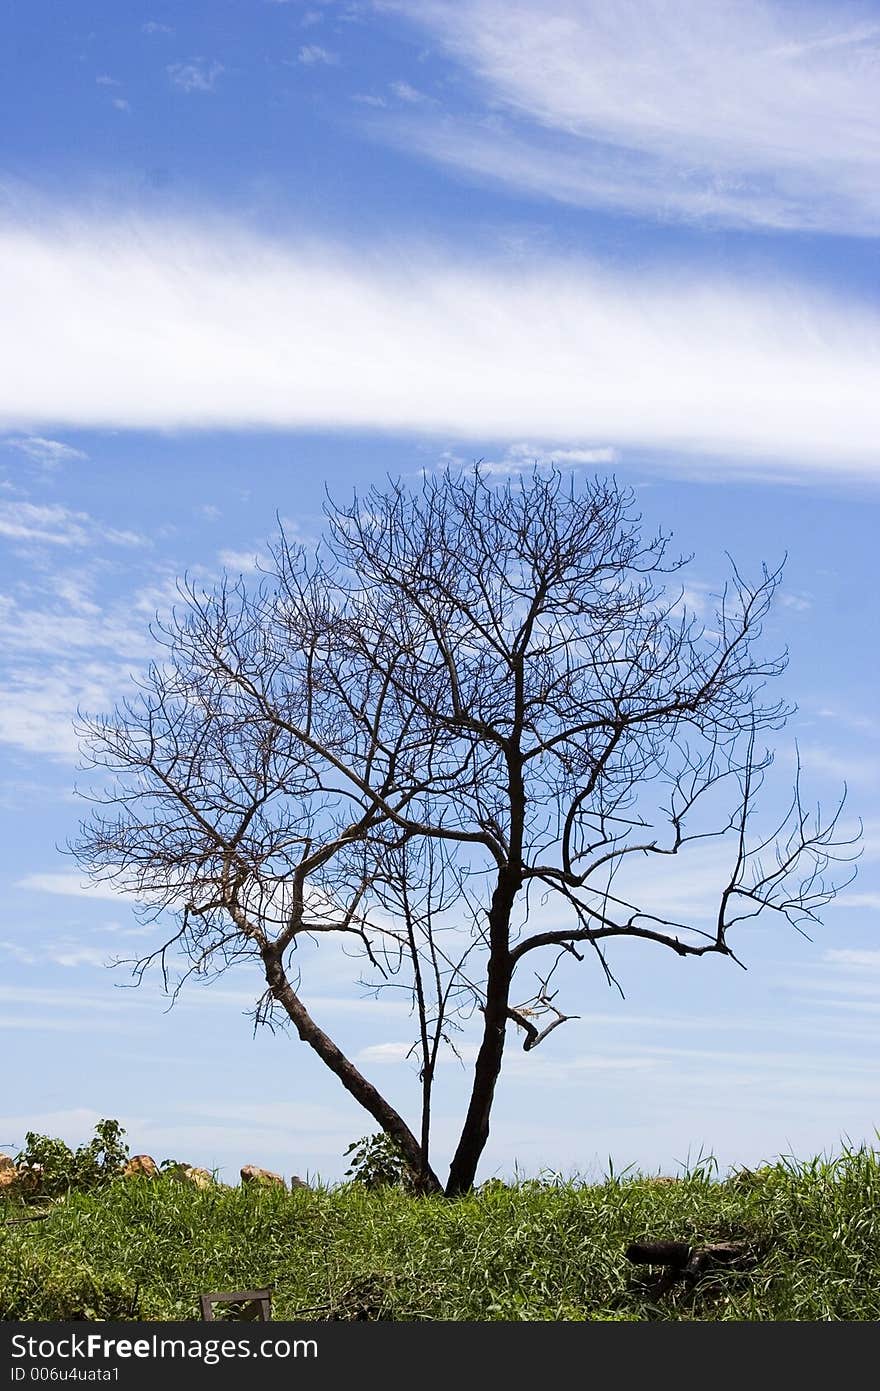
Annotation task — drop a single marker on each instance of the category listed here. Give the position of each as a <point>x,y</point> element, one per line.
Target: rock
<point>751,1178</point>
<point>188,1173</point>
<point>141,1166</point>
<point>8,1172</point>
<point>264,1178</point>
<point>199,1177</point>
<point>297,1182</point>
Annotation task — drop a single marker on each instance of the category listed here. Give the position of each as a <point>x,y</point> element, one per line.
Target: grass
<point>146,1249</point>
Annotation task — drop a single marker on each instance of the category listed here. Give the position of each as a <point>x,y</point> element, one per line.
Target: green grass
<point>146,1249</point>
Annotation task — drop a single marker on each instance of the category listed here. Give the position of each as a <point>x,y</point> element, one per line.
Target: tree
<point>469,696</point>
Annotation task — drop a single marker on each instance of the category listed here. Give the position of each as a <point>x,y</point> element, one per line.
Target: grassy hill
<point>146,1249</point>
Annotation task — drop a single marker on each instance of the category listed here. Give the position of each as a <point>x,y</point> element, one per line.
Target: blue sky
<point>248,250</point>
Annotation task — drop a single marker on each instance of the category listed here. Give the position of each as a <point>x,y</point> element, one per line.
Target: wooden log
<point>674,1253</point>
<point>682,1262</point>
<point>731,1253</point>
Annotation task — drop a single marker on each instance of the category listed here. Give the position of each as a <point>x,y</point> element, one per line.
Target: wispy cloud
<point>178,325</point>
<point>55,953</point>
<point>48,1001</point>
<point>754,114</point>
<point>198,76</point>
<point>521,457</point>
<point>405,92</point>
<point>382,1053</point>
<point>237,1135</point>
<point>69,885</point>
<point>55,525</point>
<point>65,642</point>
<point>37,706</point>
<point>848,719</point>
<point>861,960</point>
<point>312,54</point>
<point>74,1123</point>
<point>868,900</point>
<point>796,602</point>
<point>243,562</point>
<point>23,1023</point>
<point>48,453</point>
<point>74,626</point>
<point>153,26</point>
<point>859,769</point>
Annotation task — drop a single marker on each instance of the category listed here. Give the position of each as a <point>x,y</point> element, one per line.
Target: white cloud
<point>68,619</point>
<point>71,955</point>
<point>685,888</point>
<point>121,104</point>
<point>385,1053</point>
<point>70,885</point>
<point>243,562</point>
<point>104,81</point>
<point>17,1023</point>
<point>23,955</point>
<point>46,1003</point>
<point>796,602</point>
<point>49,453</point>
<point>173,326</point>
<point>520,458</point>
<point>152,26</point>
<point>367,1005</point>
<point>262,1136</point>
<point>862,724</point>
<point>198,76</point>
<point>312,53</point>
<point>73,1124</point>
<point>862,960</point>
<point>73,590</point>
<point>532,1066</point>
<point>859,769</point>
<point>54,525</point>
<point>404,92</point>
<point>738,111</point>
<point>37,706</point>
<point>869,828</point>
<point>67,954</point>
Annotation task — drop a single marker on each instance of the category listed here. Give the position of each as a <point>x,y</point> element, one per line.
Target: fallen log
<point>674,1253</point>
<point>682,1262</point>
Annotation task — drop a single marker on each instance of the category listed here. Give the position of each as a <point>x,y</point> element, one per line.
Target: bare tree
<point>471,696</point>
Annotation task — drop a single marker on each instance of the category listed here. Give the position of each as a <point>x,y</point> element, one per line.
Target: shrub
<point>378,1162</point>
<point>48,1167</point>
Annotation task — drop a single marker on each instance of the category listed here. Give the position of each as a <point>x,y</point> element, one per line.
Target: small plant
<point>48,1167</point>
<point>378,1162</point>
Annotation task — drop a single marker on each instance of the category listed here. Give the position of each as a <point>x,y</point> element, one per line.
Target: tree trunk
<point>354,1082</point>
<point>475,1131</point>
